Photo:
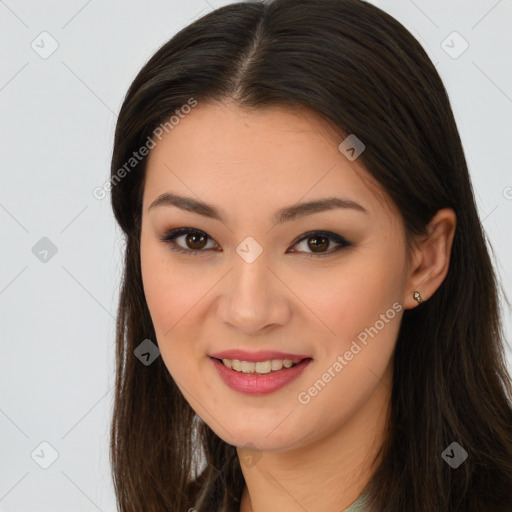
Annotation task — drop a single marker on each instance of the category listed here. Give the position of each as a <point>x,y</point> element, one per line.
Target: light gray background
<point>57,121</point>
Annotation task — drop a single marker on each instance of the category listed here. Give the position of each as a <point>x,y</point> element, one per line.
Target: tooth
<point>263,367</point>
<point>248,367</point>
<point>277,364</point>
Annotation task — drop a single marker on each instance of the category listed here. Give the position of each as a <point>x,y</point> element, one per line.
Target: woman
<point>308,317</point>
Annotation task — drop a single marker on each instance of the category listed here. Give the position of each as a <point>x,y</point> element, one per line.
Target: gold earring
<point>417,297</point>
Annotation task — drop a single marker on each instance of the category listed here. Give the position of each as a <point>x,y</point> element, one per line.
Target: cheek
<point>360,304</point>
<point>173,295</point>
<point>169,290</point>
<point>355,296</point>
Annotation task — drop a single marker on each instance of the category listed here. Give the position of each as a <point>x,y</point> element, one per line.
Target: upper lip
<point>262,355</point>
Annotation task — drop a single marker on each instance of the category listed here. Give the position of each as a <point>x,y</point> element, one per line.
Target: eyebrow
<point>286,214</point>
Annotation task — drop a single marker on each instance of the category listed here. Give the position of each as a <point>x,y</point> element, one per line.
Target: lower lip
<point>256,384</point>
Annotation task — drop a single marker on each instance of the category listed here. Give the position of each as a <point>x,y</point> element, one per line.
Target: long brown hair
<point>364,72</point>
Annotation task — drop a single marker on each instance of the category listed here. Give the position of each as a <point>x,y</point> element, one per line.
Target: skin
<point>294,456</point>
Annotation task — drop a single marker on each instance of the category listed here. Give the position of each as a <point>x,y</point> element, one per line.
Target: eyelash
<point>171,235</point>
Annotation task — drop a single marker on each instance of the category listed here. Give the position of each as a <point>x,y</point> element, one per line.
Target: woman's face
<point>247,282</point>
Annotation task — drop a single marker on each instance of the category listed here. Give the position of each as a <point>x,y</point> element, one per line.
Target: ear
<point>431,258</point>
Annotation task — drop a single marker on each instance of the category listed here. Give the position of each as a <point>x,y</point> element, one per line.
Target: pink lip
<point>255,384</point>
<point>262,355</point>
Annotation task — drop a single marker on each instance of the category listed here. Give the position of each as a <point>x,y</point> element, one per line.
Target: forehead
<point>270,156</point>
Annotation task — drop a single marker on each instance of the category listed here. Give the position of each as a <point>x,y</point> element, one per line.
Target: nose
<point>253,298</point>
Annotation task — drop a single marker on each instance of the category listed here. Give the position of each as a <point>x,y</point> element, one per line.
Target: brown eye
<point>318,241</point>
<point>318,244</point>
<point>194,240</point>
